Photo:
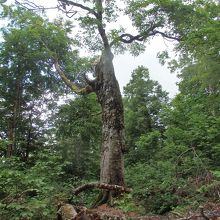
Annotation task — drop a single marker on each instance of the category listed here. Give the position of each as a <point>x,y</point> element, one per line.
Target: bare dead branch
<point>32,6</point>
<point>105,186</point>
<point>69,12</point>
<point>65,3</point>
<point>23,195</point>
<point>61,6</point>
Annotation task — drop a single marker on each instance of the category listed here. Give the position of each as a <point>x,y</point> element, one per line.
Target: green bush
<point>33,192</point>
<point>159,188</point>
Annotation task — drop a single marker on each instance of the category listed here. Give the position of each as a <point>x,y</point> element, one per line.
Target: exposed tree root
<point>107,193</point>
<point>108,187</point>
<point>104,197</point>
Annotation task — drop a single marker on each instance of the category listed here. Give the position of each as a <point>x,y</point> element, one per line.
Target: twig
<point>78,5</point>
<point>32,6</point>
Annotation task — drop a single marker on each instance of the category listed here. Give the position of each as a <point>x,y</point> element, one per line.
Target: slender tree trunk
<point>28,140</point>
<point>12,127</point>
<point>10,149</point>
<point>109,96</point>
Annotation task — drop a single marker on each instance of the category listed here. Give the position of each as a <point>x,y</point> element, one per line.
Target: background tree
<point>190,124</point>
<point>195,115</point>
<point>21,89</point>
<point>32,170</point>
<point>28,81</point>
<point>199,75</point>
<point>183,172</point>
<point>78,132</point>
<point>144,100</point>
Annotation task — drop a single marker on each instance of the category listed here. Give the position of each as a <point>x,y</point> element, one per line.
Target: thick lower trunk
<point>112,167</point>
<point>109,96</point>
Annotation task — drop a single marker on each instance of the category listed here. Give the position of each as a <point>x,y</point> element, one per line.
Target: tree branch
<point>167,36</point>
<point>129,38</point>
<point>78,5</point>
<point>98,14</point>
<point>81,91</point>
<point>78,90</point>
<point>101,186</point>
<point>32,6</point>
<point>69,12</point>
<point>101,29</point>
<point>61,6</point>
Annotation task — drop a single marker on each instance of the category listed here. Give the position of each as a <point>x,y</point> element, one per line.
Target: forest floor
<point>210,211</point>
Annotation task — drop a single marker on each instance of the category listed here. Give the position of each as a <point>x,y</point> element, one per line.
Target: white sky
<point>125,64</point>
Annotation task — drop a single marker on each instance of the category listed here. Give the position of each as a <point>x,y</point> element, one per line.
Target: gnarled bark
<point>107,90</point>
<point>109,96</point>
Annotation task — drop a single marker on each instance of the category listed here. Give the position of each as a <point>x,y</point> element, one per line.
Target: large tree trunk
<point>109,96</point>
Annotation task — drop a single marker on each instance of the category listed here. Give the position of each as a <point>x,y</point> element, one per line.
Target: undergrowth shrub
<point>158,188</point>
<point>33,191</point>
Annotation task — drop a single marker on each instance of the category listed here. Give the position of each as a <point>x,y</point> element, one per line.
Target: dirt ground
<point>209,211</point>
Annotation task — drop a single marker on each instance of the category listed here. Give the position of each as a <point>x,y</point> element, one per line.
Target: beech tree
<point>164,18</point>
